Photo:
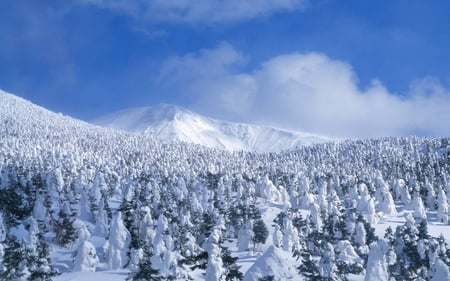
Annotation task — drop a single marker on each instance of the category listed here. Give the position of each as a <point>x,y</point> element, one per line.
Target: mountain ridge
<point>175,122</point>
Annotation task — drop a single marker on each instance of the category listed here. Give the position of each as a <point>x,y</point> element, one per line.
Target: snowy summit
<point>173,122</point>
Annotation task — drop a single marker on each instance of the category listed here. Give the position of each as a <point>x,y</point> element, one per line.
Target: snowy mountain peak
<point>174,122</point>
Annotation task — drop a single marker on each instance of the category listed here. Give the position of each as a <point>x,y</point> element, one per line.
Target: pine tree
<point>38,253</point>
<point>309,268</point>
<point>85,257</point>
<point>327,264</point>
<point>64,229</point>
<point>232,272</point>
<point>118,243</point>
<point>215,268</point>
<point>377,268</point>
<point>146,271</point>
<point>14,265</point>
<point>260,232</point>
<point>199,261</point>
<point>41,268</point>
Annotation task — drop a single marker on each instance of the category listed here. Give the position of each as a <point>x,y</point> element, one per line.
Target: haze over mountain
<point>173,122</point>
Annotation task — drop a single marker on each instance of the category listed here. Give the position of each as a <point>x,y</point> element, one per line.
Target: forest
<point>166,210</point>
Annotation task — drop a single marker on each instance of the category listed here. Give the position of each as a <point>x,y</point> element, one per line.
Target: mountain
<point>173,122</point>
<point>95,203</point>
<point>21,117</point>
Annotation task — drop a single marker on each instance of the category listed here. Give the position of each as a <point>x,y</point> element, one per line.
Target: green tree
<point>14,260</point>
<point>232,272</point>
<point>260,232</point>
<point>145,271</point>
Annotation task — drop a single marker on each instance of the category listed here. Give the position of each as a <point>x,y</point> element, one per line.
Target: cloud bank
<point>305,91</point>
<point>197,11</point>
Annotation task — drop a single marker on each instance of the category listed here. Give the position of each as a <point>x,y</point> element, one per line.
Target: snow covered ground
<point>265,260</point>
<point>97,196</point>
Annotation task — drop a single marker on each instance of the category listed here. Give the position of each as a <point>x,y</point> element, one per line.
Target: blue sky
<point>335,67</point>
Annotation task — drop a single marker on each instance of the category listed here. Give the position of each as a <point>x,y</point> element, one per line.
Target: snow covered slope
<point>29,119</point>
<point>113,205</point>
<point>173,122</point>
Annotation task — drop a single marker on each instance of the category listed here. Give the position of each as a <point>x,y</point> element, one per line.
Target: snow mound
<point>274,262</point>
<point>174,122</point>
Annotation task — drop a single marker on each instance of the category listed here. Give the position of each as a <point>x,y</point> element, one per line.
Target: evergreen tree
<point>116,247</point>
<point>40,266</point>
<point>327,263</point>
<point>260,232</point>
<point>64,229</point>
<point>199,261</point>
<point>146,271</point>
<point>232,272</point>
<point>309,268</point>
<point>85,257</point>
<point>14,266</point>
<point>38,253</point>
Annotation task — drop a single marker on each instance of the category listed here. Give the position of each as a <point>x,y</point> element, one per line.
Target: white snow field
<point>85,202</point>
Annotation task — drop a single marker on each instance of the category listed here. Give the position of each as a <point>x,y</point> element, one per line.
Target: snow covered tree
<point>442,207</point>
<point>103,217</point>
<point>277,237</point>
<point>84,211</point>
<point>215,268</point>
<point>412,251</point>
<point>327,264</point>
<point>260,232</point>
<point>63,226</point>
<point>41,267</point>
<point>384,196</point>
<point>360,235</point>
<point>17,199</point>
<point>347,259</point>
<point>308,267</point>
<point>232,272</point>
<point>14,265</point>
<point>145,270</point>
<point>37,253</point>
<point>85,257</point>
<point>377,268</point>
<point>418,207</point>
<point>116,247</point>
<point>439,271</point>
<point>244,237</point>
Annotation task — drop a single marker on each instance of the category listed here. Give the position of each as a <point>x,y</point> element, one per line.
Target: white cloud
<point>210,77</point>
<point>198,11</point>
<point>310,92</point>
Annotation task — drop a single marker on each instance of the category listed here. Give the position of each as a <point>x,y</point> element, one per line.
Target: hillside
<point>173,122</point>
<point>82,202</point>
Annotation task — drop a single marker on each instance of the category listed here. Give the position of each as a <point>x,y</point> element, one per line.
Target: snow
<point>274,262</point>
<point>173,122</point>
<point>376,265</point>
<point>440,271</point>
<point>116,275</point>
<point>102,166</point>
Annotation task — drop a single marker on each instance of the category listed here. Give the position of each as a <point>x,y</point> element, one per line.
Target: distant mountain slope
<point>25,117</point>
<point>173,122</point>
